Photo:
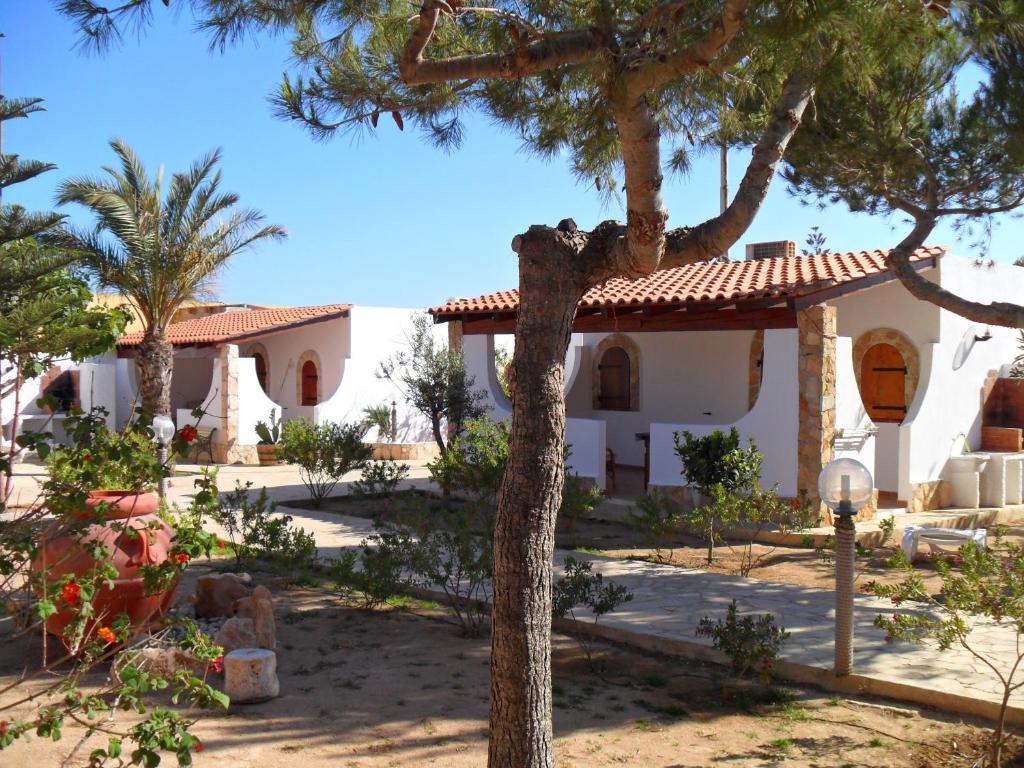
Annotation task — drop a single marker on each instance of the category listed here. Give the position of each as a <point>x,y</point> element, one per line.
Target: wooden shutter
<point>261,370</point>
<point>883,381</point>
<point>615,379</point>
<point>310,378</point>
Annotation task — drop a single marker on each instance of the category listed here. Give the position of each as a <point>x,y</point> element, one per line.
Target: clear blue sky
<point>384,219</point>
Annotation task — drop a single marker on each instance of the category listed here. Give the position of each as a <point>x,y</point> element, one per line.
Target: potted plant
<point>270,436</point>
<point>105,522</point>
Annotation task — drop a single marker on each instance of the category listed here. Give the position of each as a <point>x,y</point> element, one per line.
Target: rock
<point>163,662</point>
<point>216,593</point>
<point>250,675</point>
<point>259,607</point>
<point>236,633</point>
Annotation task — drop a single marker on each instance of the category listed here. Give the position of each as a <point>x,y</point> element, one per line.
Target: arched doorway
<point>261,370</point>
<point>310,383</point>
<point>613,391</point>
<point>883,384</point>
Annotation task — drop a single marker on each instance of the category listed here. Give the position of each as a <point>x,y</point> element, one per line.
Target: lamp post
<point>163,431</point>
<point>845,486</point>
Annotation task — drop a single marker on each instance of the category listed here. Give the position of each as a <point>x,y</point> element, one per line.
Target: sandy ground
<point>405,688</point>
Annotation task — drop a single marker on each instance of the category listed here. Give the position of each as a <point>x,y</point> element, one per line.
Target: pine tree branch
<point>996,313</point>
<point>549,51</point>
<point>657,73</point>
<point>715,236</point>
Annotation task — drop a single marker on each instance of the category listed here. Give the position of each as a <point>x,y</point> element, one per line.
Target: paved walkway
<point>669,602</point>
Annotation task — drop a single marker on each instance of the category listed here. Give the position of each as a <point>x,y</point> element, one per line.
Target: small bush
<point>658,520</point>
<point>718,460</point>
<point>257,532</point>
<point>324,453</point>
<point>579,499</point>
<point>454,550</point>
<point>751,643</point>
<point>380,479</point>
<point>475,460</point>
<point>580,586</point>
<point>380,569</point>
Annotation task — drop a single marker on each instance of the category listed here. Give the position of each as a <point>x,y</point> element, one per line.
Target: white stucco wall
<point>191,378</point>
<point>697,377</point>
<point>586,437</point>
<point>329,339</point>
<point>950,404</point>
<point>857,441</point>
<point>772,423</point>
<point>376,334</point>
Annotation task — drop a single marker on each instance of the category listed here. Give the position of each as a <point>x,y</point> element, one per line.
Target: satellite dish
<point>963,350</point>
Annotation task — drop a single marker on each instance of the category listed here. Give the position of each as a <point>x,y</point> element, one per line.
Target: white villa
<point>239,363</point>
<point>812,357</point>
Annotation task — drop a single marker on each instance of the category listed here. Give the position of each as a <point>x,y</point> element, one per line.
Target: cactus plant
<point>269,434</point>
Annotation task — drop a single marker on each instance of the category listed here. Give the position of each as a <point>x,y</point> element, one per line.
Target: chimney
<point>771,250</point>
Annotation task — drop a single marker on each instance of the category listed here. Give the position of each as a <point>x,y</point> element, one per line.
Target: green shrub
<point>475,460</point>
<point>658,519</point>
<point>454,550</point>
<point>257,532</point>
<point>751,643</point>
<point>984,590</point>
<point>324,453</point>
<point>718,460</point>
<point>380,479</point>
<point>579,498</point>
<point>580,586</point>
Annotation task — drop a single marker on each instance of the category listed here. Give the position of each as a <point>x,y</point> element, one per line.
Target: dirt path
<point>394,688</point>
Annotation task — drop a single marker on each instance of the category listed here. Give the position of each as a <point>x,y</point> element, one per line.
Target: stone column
<point>226,449</point>
<point>817,377</point>
<point>455,336</point>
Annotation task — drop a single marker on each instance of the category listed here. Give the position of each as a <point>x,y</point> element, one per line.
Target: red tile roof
<point>233,326</point>
<point>732,281</point>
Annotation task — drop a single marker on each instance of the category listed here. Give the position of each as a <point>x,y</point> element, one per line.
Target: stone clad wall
<point>226,448</point>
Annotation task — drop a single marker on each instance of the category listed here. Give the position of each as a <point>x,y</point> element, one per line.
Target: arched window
<point>310,383</point>
<point>261,370</point>
<point>613,394</point>
<point>883,376</point>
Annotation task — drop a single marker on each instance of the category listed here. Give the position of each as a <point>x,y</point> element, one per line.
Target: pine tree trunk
<point>520,712</point>
<point>155,359</point>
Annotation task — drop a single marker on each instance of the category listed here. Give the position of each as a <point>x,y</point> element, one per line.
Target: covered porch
<point>753,345</point>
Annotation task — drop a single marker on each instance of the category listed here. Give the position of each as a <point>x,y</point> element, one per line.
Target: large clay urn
<point>66,552</point>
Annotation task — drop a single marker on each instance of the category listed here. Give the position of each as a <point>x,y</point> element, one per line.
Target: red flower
<point>87,457</point>
<point>199,746</point>
<point>221,543</point>
<point>217,665</point>
<point>69,592</point>
<point>182,558</point>
<point>188,433</point>
<point>3,727</point>
<point>106,634</point>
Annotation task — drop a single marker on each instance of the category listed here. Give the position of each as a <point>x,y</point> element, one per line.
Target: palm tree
<point>159,251</point>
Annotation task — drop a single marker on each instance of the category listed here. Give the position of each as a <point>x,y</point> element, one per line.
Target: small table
<point>645,437</point>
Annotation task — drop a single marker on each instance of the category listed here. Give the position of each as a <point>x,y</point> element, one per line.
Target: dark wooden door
<point>614,368</point>
<point>883,381</point>
<point>261,370</point>
<point>310,379</point>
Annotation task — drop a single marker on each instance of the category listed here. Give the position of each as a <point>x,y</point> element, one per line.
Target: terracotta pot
<point>267,454</point>
<point>66,552</point>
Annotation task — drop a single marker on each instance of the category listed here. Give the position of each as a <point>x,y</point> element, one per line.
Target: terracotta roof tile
<point>782,277</point>
<point>228,326</point>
